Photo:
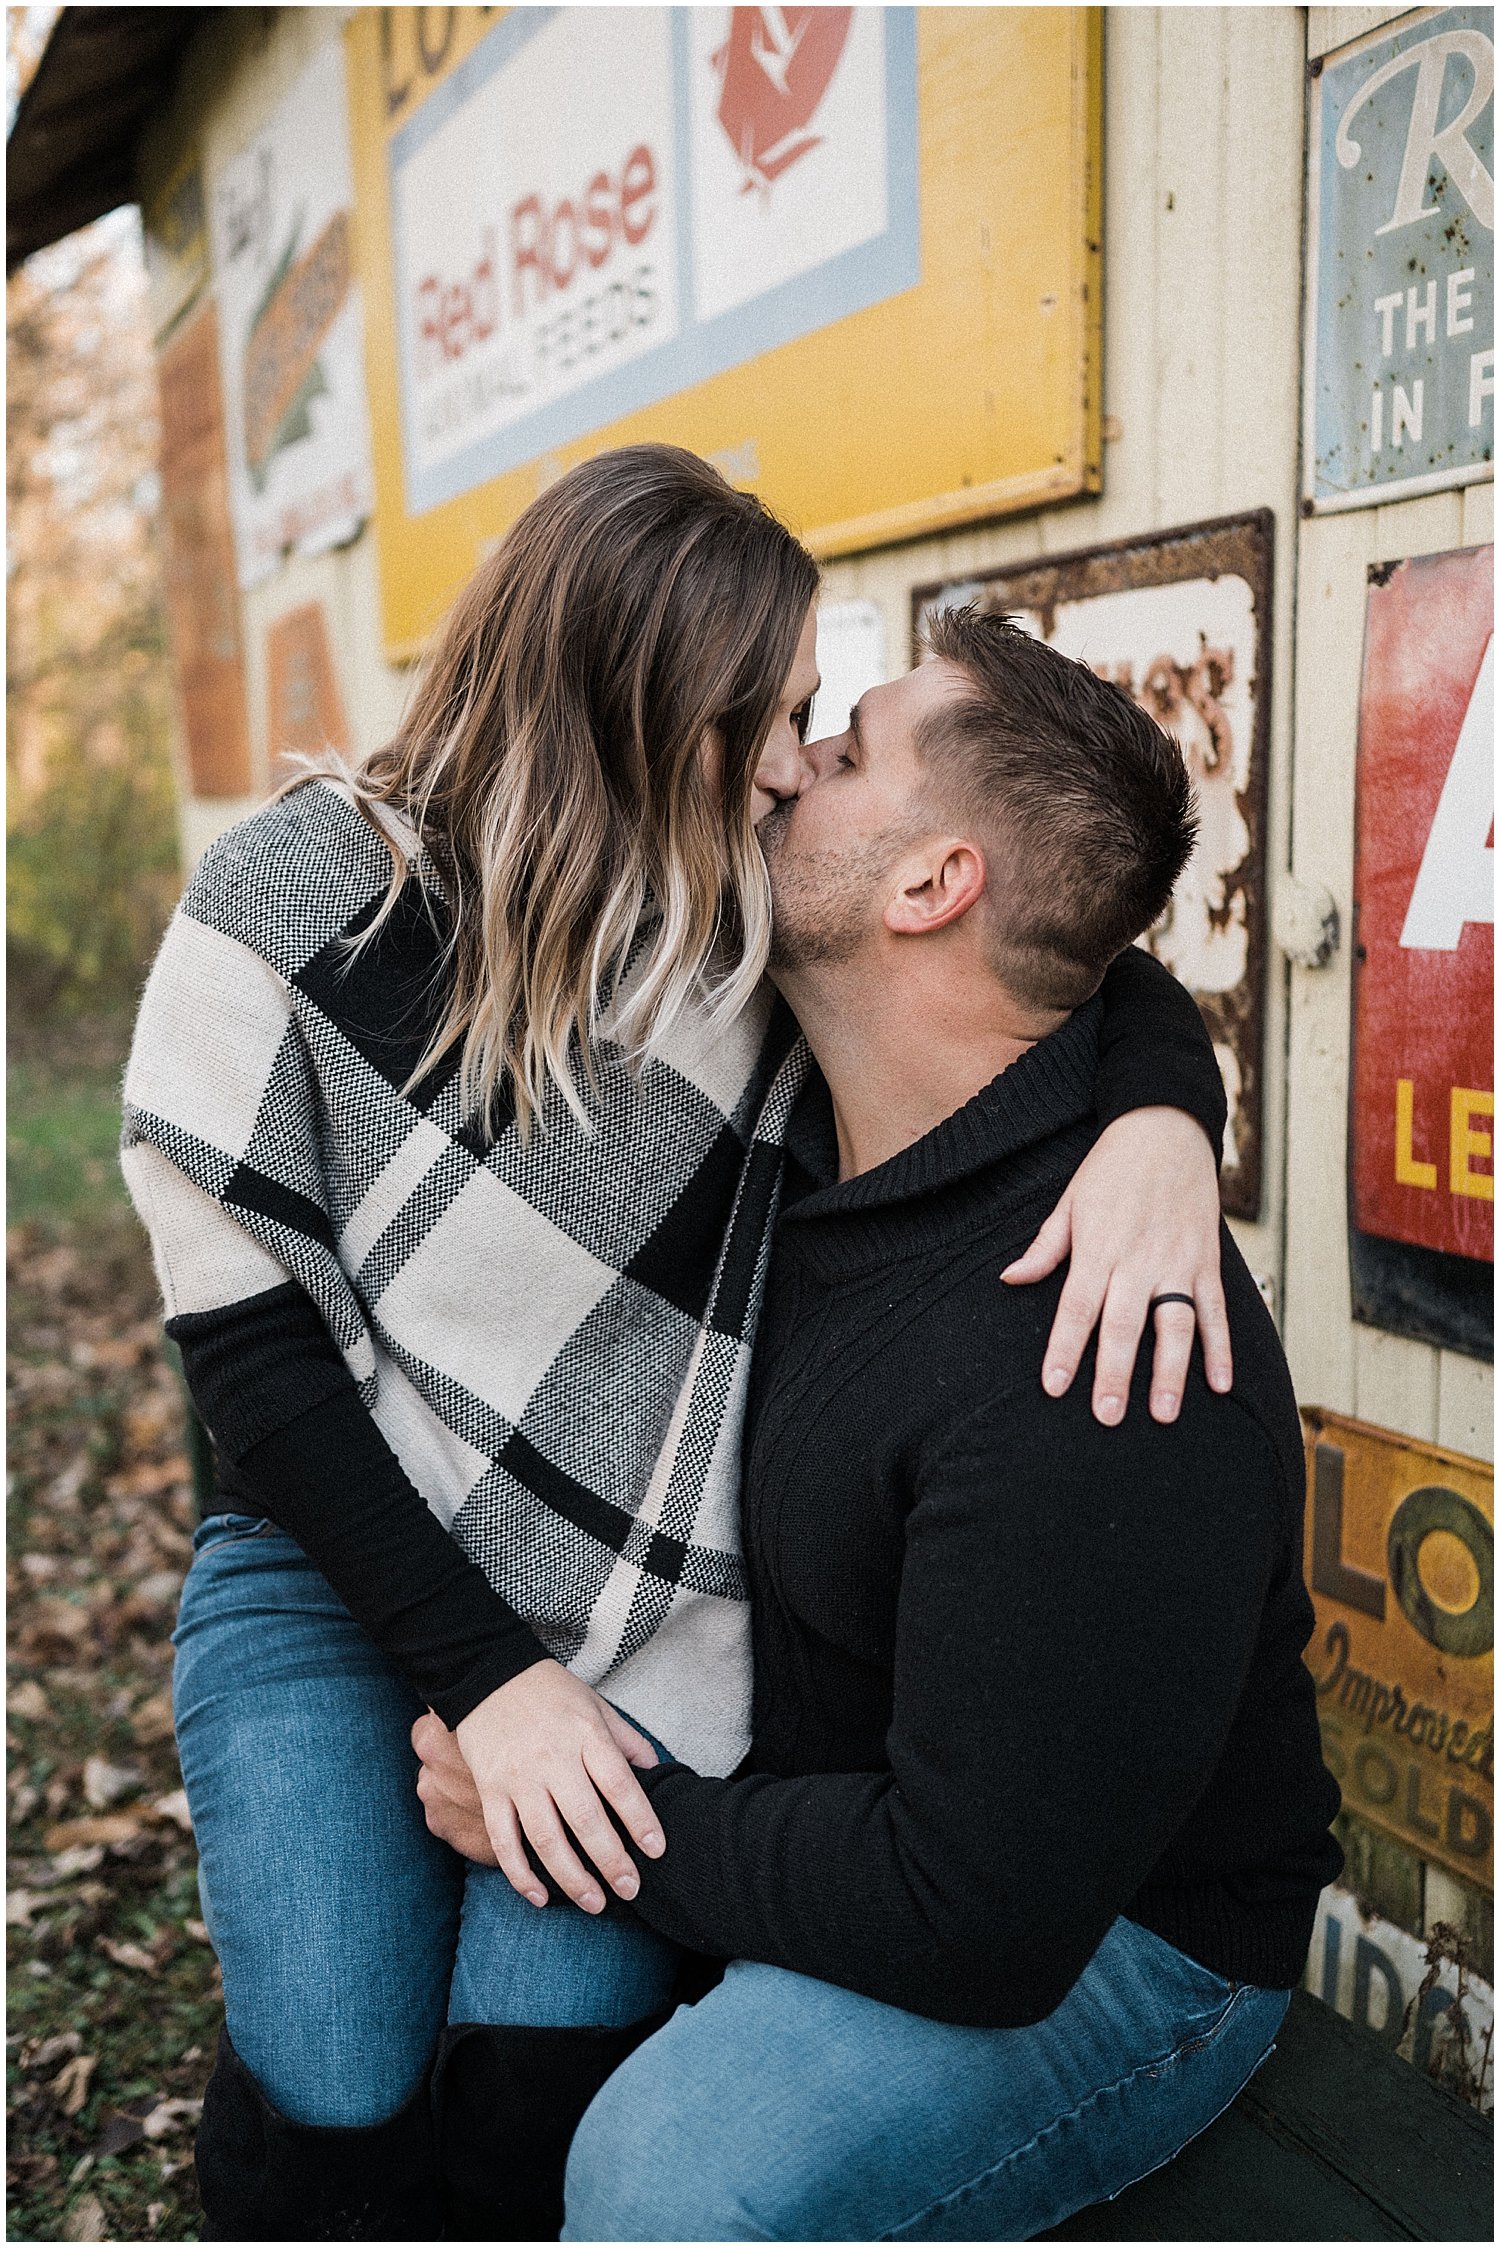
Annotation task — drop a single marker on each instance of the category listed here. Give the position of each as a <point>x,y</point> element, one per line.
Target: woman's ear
<point>939,884</point>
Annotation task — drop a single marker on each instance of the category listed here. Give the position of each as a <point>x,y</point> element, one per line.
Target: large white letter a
<point>1456,881</point>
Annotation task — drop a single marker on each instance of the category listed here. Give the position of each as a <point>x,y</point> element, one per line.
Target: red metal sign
<point>1424,1100</point>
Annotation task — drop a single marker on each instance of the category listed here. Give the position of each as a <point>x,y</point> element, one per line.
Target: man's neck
<point>902,1052</point>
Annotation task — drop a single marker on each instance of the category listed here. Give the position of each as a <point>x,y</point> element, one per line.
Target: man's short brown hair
<point>1083,802</point>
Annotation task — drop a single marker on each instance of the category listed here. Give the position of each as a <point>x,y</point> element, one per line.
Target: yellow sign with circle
<point>1401,1566</point>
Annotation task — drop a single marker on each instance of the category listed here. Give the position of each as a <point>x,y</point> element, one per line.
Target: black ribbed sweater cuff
<point>429,1609</point>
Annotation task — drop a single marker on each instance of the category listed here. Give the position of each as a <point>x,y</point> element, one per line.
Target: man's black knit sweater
<point>1015,1673</point>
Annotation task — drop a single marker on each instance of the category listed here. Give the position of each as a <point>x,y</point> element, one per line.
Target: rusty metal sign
<point>1379,1975</point>
<point>202,604</point>
<point>175,234</point>
<point>305,711</point>
<point>1401,1566</point>
<point>1422,1104</point>
<point>1399,380</point>
<point>1182,621</point>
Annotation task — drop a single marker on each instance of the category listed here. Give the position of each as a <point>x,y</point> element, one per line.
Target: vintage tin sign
<point>291,330</point>
<point>1422,1097</point>
<point>1183,623</point>
<point>305,711</point>
<point>735,229</point>
<point>1380,1976</point>
<point>1399,377</point>
<point>175,233</point>
<point>202,605</point>
<point>1400,1563</point>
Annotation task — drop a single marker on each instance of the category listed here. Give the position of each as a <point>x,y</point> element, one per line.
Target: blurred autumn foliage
<point>90,822</point>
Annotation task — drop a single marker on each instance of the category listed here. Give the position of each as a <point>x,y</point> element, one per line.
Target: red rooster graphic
<point>774,69</point>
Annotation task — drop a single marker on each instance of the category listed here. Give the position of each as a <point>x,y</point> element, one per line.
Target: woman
<point>454,1114</point>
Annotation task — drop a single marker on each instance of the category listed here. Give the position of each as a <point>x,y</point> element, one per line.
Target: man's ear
<point>939,884</point>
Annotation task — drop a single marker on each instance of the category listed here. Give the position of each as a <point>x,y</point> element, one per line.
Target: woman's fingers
<point>1045,1255</point>
<point>1213,1330</point>
<point>616,1782</point>
<point>590,1827</point>
<point>543,1829</point>
<point>1175,1326</point>
<point>1120,1329</point>
<point>1078,1309</point>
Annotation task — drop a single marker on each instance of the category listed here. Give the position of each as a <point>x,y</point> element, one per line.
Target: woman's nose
<point>783,770</point>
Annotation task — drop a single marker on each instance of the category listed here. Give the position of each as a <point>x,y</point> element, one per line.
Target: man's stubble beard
<point>821,901</point>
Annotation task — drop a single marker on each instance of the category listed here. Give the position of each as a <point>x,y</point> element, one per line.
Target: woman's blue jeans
<point>776,2108</point>
<point>347,1935</point>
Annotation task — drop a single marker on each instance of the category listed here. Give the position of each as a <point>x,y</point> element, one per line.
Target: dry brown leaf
<point>172,2115</point>
<point>62,1492</point>
<point>86,2220</point>
<point>175,1808</point>
<point>53,2049</point>
<point>27,1700</point>
<point>121,2130</point>
<point>200,1935</point>
<point>149,1477</point>
<point>151,1720</point>
<point>59,1618</point>
<point>161,1588</point>
<point>20,1904</point>
<point>110,1826</point>
<point>128,1955</point>
<point>84,1857</point>
<point>70,2086</point>
<point>104,1783</point>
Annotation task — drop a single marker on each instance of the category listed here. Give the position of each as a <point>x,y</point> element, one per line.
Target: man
<point>1026,1855</point>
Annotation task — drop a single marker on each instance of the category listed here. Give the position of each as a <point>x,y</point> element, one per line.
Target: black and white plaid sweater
<point>495,1389</point>
<point>552,1337</point>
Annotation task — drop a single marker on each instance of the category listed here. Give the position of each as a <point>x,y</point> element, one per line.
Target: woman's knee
<point>337,2083</point>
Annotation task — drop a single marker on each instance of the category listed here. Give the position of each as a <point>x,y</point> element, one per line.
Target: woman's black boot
<point>263,2177</point>
<point>507,2103</point>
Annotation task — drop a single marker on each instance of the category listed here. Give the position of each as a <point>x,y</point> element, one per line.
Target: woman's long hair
<point>552,762</point>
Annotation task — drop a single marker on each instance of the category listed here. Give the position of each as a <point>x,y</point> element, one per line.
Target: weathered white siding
<point>1202,291</point>
<point>1424,1392</point>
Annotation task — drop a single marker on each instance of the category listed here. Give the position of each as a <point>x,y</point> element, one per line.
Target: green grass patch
<point>62,1137</point>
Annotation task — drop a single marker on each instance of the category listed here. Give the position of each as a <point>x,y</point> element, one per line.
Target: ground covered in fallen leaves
<point>113,1992</point>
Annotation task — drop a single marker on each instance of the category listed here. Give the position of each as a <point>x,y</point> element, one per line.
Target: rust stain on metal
<point>1213,697</point>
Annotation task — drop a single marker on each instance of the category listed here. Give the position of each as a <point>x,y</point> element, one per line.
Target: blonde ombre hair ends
<point>553,764</point>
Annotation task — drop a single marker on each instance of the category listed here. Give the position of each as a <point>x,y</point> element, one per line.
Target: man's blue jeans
<point>777,2108</point>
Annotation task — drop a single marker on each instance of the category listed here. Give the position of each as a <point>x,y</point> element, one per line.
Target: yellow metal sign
<point>1401,1567</point>
<point>850,254</point>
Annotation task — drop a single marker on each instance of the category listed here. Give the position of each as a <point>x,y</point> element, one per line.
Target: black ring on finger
<point>1174,1298</point>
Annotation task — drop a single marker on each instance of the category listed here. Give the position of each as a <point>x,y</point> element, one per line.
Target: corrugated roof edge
<point>70,156</point>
